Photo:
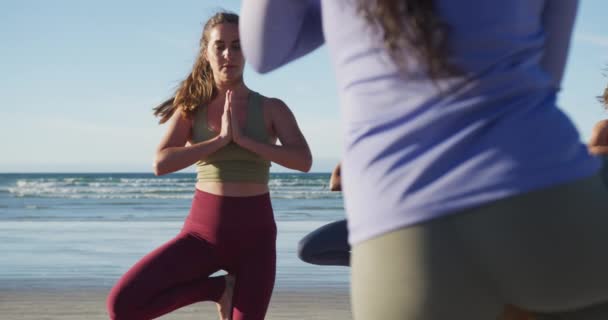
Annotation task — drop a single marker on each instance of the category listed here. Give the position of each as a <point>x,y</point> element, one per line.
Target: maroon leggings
<point>236,234</point>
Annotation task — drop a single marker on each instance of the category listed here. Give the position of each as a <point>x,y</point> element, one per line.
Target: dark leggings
<point>236,234</point>
<point>604,171</point>
<point>327,245</point>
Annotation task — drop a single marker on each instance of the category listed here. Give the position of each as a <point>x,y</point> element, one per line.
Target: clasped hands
<point>230,129</point>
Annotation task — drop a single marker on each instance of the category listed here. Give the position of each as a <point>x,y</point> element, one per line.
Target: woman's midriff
<point>232,189</point>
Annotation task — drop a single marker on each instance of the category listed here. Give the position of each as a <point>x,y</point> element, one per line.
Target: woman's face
<point>224,53</point>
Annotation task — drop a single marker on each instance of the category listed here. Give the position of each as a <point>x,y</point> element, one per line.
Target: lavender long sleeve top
<point>413,153</point>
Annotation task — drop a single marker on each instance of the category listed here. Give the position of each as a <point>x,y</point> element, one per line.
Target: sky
<point>78,80</point>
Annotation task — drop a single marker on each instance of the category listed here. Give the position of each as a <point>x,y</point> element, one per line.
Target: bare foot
<point>224,305</point>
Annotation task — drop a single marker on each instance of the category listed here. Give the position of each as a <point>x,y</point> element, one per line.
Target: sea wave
<point>111,187</point>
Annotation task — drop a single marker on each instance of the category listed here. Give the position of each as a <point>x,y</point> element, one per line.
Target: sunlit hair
<point>412,25</point>
<point>199,87</point>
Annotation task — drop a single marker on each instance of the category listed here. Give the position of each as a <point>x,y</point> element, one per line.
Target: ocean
<point>84,230</point>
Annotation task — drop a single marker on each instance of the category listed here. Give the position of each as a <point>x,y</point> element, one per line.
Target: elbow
<point>159,167</point>
<point>257,57</point>
<point>261,65</point>
<point>157,170</point>
<point>260,59</point>
<point>307,163</point>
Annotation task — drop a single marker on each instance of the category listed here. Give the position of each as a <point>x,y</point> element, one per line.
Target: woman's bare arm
<point>173,154</point>
<point>293,152</point>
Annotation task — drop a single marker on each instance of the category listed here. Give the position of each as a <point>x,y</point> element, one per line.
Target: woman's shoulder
<point>277,110</point>
<point>274,105</point>
<point>271,101</point>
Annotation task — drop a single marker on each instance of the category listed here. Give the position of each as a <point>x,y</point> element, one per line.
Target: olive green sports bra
<point>232,163</point>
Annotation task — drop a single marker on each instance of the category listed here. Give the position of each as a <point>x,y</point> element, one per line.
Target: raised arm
<point>173,154</point>
<point>275,32</point>
<point>558,21</point>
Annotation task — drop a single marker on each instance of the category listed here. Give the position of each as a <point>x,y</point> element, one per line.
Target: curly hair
<point>412,25</point>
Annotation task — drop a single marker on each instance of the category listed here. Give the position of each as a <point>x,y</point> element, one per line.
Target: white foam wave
<point>152,188</point>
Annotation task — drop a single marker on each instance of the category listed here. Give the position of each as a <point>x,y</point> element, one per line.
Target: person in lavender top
<point>466,188</point>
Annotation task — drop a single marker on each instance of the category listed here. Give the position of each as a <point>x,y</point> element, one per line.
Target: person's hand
<point>226,129</point>
<point>237,133</point>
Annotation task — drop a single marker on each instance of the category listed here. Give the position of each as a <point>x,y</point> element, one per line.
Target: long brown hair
<point>199,87</point>
<point>412,25</point>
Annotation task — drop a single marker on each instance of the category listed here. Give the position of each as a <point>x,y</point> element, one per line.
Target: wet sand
<point>81,304</point>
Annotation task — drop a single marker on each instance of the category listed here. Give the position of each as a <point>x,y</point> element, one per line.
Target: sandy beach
<point>66,239</point>
<point>90,304</point>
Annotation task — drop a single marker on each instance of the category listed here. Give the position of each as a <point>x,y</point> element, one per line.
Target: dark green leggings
<point>544,251</point>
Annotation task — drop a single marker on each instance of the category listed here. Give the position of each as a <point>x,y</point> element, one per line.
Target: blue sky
<point>78,80</point>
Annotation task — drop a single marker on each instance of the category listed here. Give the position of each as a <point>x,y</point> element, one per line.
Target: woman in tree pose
<point>229,132</point>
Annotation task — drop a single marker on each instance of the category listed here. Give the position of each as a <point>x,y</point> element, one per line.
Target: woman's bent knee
<point>120,307</point>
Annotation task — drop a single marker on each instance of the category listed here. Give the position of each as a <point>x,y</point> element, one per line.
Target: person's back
<point>491,131</point>
<point>463,192</point>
